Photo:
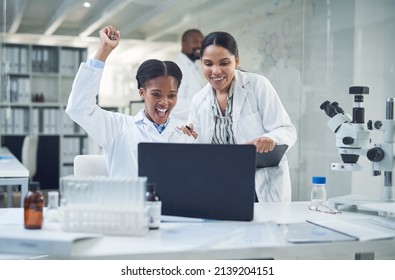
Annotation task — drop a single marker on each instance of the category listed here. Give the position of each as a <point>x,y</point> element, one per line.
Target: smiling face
<point>191,45</point>
<point>160,97</point>
<point>218,66</point>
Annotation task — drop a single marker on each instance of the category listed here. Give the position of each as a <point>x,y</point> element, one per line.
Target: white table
<point>13,172</point>
<point>212,240</point>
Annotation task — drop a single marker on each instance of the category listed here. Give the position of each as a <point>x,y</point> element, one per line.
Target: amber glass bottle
<point>154,206</point>
<point>33,207</point>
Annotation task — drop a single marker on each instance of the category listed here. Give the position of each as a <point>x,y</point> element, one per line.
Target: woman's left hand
<point>263,144</point>
<point>188,130</point>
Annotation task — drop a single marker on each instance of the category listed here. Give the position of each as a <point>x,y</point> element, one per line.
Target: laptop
<point>206,181</point>
<point>271,158</point>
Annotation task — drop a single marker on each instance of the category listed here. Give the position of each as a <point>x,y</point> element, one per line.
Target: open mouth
<point>218,79</point>
<point>161,112</point>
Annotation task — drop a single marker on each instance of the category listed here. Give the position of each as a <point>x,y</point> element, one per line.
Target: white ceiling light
<point>87,4</point>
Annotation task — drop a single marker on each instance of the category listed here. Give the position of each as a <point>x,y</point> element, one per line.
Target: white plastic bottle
<point>53,211</point>
<point>318,191</point>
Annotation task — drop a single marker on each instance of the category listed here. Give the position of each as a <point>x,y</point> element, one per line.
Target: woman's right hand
<point>109,37</point>
<point>263,144</point>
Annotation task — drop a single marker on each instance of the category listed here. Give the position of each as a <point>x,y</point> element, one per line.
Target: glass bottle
<point>154,206</point>
<point>33,207</point>
<point>318,191</point>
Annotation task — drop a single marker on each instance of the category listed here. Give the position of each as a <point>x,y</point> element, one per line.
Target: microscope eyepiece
<point>328,108</point>
<point>338,109</point>
<point>331,109</point>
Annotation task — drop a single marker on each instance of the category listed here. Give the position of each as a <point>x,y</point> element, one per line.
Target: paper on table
<point>254,235</point>
<point>16,239</point>
<point>204,235</point>
<point>311,233</point>
<point>358,228</point>
<point>169,238</point>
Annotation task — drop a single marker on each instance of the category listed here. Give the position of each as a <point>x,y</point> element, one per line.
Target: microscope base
<point>365,203</point>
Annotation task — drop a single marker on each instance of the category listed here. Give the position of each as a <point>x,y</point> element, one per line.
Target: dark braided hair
<point>153,68</point>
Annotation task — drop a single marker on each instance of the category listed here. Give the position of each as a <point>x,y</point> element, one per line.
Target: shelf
<point>14,104</point>
<point>38,82</point>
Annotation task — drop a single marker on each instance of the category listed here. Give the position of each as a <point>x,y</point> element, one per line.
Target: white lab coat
<point>257,111</point>
<point>118,134</point>
<point>191,83</point>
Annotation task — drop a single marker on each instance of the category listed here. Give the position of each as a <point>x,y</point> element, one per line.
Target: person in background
<point>118,134</point>
<point>237,107</point>
<point>192,80</point>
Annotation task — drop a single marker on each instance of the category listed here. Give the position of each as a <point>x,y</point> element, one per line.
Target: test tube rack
<point>107,205</point>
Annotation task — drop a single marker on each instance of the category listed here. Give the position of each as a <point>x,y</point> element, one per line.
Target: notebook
<point>206,181</point>
<point>271,158</point>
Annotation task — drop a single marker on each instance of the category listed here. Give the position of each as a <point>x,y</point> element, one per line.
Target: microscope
<point>353,140</point>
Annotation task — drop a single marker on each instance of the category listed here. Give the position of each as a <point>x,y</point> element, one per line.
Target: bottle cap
<point>53,193</point>
<point>319,180</point>
<point>151,187</point>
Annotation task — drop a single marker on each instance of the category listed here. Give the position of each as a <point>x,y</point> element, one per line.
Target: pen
<point>190,129</point>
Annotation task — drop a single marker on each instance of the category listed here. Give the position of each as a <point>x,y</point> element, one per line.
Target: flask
<point>33,207</point>
<point>53,214</point>
<point>318,191</point>
<point>154,206</point>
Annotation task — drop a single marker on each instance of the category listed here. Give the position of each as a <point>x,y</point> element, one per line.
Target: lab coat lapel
<point>239,95</point>
<point>170,128</point>
<point>206,115</point>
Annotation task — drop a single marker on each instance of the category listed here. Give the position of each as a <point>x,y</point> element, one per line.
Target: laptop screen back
<point>201,180</point>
